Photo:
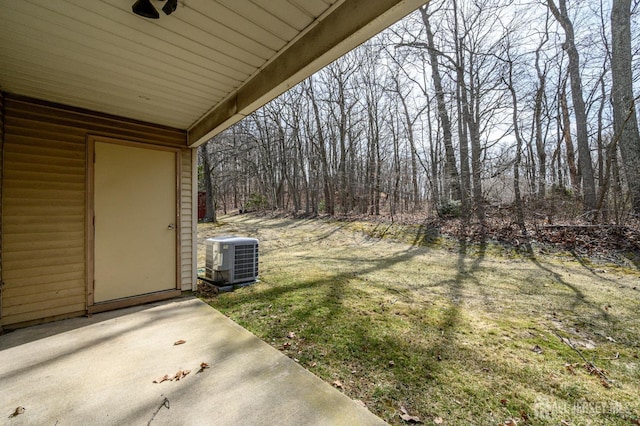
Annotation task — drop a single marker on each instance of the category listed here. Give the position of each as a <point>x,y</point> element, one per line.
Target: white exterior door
<point>134,221</point>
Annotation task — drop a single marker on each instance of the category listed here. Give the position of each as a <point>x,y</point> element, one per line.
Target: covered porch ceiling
<point>201,69</point>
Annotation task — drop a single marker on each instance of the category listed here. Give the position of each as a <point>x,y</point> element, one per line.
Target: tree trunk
<point>566,134</point>
<point>516,165</point>
<point>207,177</point>
<point>540,144</point>
<point>324,163</point>
<point>582,137</point>
<point>451,178</point>
<point>624,114</point>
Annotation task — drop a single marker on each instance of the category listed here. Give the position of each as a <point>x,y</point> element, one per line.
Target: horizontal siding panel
<point>64,143</point>
<point>52,280</point>
<point>53,311</point>
<point>45,186</point>
<point>42,208</point>
<point>23,175</point>
<point>54,287</point>
<point>40,256</point>
<point>40,271</point>
<point>40,150</point>
<point>46,305</point>
<point>31,244</point>
<point>53,147</point>
<point>42,194</point>
<point>45,260</point>
<point>24,226</point>
<point>65,122</point>
<point>44,169</point>
<point>30,128</point>
<point>43,297</point>
<point>12,242</point>
<point>33,159</point>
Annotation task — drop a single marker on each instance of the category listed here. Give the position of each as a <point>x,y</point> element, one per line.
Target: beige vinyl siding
<point>186,222</point>
<point>1,161</point>
<point>43,219</point>
<point>44,204</point>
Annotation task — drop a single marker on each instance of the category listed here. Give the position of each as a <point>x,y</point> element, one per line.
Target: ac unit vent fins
<point>246,261</point>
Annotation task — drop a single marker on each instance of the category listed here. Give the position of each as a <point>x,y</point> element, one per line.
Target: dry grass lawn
<point>447,333</point>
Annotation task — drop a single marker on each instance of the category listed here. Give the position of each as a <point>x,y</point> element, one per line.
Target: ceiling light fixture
<point>145,8</point>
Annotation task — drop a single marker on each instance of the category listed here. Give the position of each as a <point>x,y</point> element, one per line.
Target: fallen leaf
<point>181,374</point>
<point>565,423</point>
<point>592,369</point>
<point>313,364</point>
<point>179,342</point>
<point>524,416</point>
<point>360,403</point>
<point>503,401</point>
<point>510,422</point>
<point>537,349</point>
<point>203,366</point>
<point>611,339</point>
<point>162,379</point>
<point>570,368</point>
<point>404,415</point>
<point>338,384</point>
<point>391,363</point>
<point>291,335</point>
<point>17,412</point>
<point>438,420</point>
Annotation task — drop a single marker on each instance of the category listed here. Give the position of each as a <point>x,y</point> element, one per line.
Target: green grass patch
<point>469,336</point>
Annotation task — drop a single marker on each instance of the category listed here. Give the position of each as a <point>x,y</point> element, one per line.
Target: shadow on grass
<point>388,356</point>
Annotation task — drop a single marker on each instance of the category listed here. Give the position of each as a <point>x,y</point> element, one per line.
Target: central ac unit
<point>231,260</point>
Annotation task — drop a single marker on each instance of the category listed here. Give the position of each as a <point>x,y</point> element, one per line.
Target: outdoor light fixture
<point>145,8</point>
<point>170,7</point>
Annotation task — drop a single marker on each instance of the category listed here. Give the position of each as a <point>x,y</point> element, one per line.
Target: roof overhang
<point>201,69</point>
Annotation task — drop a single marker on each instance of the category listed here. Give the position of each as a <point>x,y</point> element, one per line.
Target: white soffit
<point>203,67</point>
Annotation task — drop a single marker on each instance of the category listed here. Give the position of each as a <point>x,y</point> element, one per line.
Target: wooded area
<point>462,108</point>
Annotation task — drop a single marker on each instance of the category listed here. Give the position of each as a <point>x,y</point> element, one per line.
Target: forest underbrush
<point>597,243</point>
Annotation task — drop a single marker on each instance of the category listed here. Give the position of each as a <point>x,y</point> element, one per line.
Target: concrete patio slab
<point>100,371</point>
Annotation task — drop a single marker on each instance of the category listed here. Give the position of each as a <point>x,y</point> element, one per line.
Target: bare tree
<point>624,114</point>
<point>208,179</point>
<point>582,137</point>
<point>451,180</point>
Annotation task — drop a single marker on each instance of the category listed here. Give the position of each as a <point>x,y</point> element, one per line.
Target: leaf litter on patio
<point>180,374</point>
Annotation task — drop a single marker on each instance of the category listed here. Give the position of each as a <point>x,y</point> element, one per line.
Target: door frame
<point>93,307</point>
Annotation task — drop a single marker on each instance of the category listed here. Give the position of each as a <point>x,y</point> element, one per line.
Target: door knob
<point>171,226</point>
